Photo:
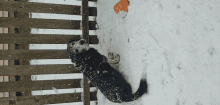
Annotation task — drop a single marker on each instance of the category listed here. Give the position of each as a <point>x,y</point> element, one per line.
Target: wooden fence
<point>15,36</point>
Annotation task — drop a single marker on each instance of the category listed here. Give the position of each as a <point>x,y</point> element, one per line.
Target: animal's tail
<point>141,90</point>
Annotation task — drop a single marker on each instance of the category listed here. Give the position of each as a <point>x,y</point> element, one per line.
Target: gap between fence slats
<point>93,96</point>
<point>92,25</point>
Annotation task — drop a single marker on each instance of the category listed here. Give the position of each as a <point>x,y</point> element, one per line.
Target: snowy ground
<point>175,42</point>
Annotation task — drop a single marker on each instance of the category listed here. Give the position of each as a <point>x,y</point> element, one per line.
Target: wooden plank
<point>33,54</point>
<point>39,23</point>
<point>40,7</point>
<point>37,69</point>
<point>85,35</point>
<point>42,38</point>
<point>19,86</point>
<point>44,99</point>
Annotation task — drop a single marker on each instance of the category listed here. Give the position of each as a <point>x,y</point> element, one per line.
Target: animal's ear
<point>82,42</point>
<point>70,41</point>
<point>74,39</point>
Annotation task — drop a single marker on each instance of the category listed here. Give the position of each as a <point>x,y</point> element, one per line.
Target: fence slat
<point>42,38</point>
<point>39,7</point>
<point>39,23</point>
<point>33,54</point>
<point>37,69</point>
<point>39,85</point>
<point>44,99</point>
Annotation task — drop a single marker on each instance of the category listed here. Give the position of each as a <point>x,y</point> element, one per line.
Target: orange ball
<point>121,6</point>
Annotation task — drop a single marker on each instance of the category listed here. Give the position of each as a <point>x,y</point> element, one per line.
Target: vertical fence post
<point>85,20</point>
<point>85,35</point>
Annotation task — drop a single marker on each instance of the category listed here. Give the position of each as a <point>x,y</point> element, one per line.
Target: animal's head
<point>77,47</point>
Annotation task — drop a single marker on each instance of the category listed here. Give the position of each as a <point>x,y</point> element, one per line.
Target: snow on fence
<point>16,72</point>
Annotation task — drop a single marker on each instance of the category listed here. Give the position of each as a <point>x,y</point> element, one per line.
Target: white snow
<point>174,42</point>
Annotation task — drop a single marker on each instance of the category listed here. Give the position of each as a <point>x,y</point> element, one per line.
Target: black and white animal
<point>108,80</point>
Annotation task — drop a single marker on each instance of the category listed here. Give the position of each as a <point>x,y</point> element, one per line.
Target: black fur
<point>108,80</point>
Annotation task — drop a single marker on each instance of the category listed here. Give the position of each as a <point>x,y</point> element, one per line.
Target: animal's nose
<point>81,42</point>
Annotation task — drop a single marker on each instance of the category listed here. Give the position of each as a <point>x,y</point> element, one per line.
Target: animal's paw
<point>110,55</point>
<point>78,66</point>
<point>113,58</point>
<point>117,58</point>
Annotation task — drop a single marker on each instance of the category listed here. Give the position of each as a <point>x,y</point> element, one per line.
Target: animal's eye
<point>72,43</point>
<point>81,42</point>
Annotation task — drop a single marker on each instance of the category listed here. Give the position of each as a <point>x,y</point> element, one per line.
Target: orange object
<point>121,6</point>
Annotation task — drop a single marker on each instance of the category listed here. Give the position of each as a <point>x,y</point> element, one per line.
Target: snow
<point>175,43</point>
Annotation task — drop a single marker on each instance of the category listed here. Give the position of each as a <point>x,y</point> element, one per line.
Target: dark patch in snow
<point>178,66</point>
<point>184,102</point>
<point>177,102</point>
<point>199,103</point>
<point>177,31</point>
<point>161,6</point>
<point>181,90</point>
<point>169,73</point>
<point>110,40</point>
<point>205,28</point>
<point>162,82</point>
<point>168,63</point>
<point>150,33</point>
<point>211,51</point>
<point>178,6</point>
